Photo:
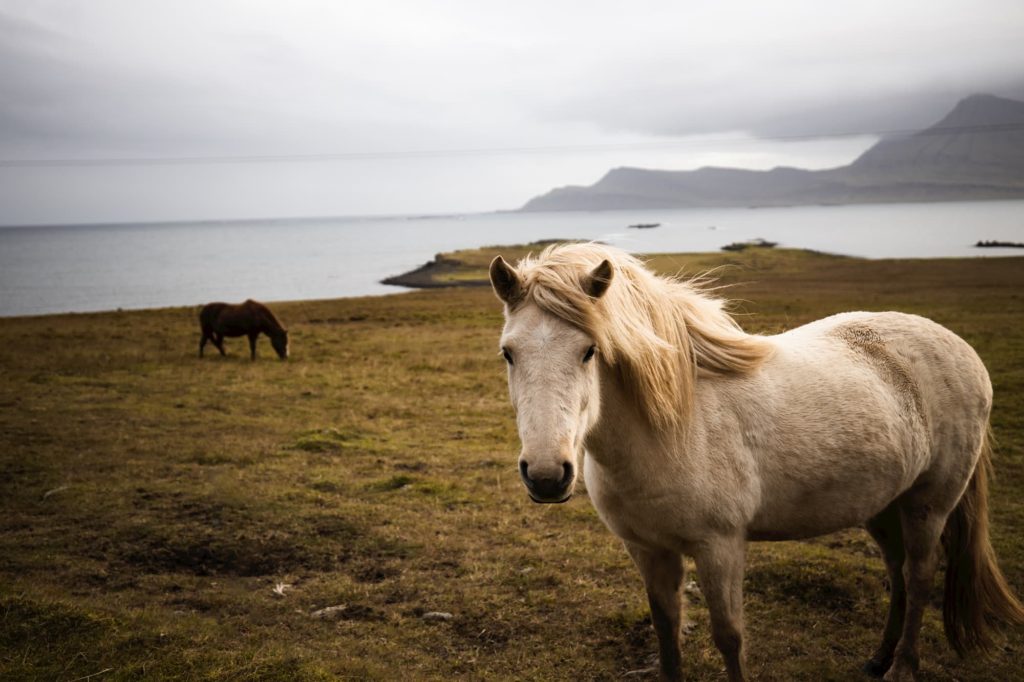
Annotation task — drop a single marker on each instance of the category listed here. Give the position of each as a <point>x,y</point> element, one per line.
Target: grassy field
<point>163,517</point>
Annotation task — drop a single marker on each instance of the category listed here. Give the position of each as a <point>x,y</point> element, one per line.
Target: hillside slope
<point>975,152</point>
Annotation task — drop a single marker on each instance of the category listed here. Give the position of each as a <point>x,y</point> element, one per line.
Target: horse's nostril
<point>544,485</point>
<point>567,475</point>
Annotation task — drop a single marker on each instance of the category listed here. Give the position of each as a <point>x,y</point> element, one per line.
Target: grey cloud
<point>773,117</point>
<point>161,78</point>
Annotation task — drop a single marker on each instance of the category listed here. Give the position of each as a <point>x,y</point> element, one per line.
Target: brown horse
<point>243,319</point>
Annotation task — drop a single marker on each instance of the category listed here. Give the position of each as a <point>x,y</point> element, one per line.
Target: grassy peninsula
<point>163,517</point>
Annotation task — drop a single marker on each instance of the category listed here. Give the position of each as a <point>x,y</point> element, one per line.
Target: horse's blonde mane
<point>657,332</point>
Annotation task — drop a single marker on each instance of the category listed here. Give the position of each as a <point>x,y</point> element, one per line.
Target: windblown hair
<point>659,333</point>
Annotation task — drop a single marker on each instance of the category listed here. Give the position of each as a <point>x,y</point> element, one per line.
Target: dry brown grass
<point>150,502</point>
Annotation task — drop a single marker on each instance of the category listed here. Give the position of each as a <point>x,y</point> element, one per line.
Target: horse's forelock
<point>656,331</point>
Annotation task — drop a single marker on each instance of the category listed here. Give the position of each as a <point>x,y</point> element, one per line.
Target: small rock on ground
<point>437,615</point>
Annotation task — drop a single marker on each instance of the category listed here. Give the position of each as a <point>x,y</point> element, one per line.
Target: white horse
<point>696,437</point>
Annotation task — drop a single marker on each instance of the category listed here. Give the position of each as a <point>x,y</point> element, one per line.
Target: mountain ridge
<point>976,151</point>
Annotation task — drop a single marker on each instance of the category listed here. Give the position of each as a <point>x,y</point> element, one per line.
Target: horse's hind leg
<point>720,571</point>
<point>922,521</point>
<point>888,533</point>
<point>218,340</point>
<point>663,574</point>
<point>202,344</point>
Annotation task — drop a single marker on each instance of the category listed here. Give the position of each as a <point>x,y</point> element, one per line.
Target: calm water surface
<point>102,267</point>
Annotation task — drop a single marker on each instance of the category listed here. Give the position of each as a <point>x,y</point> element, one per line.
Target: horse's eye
<point>590,354</point>
<point>508,356</point>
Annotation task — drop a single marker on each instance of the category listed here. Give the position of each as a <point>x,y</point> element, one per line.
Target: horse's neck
<point>624,438</point>
<point>267,323</point>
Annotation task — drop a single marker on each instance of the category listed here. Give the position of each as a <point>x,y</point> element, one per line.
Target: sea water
<point>101,267</point>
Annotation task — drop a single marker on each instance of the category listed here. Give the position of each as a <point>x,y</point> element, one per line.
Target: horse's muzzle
<point>547,490</point>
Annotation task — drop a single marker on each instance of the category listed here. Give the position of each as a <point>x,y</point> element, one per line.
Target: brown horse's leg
<point>922,528</point>
<point>888,533</point>
<point>252,346</point>
<point>663,574</point>
<point>202,344</point>
<point>218,340</point>
<point>720,571</point>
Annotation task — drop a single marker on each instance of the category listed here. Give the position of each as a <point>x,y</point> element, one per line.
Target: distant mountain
<point>975,152</point>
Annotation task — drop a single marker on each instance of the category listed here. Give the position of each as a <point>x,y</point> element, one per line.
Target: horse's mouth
<point>539,500</point>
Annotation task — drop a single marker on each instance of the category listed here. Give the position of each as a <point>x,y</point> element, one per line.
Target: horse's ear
<point>505,281</point>
<point>597,280</point>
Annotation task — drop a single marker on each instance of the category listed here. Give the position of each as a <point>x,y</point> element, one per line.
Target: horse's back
<point>934,373</point>
<point>934,380</point>
<point>209,314</point>
<point>228,319</point>
<point>857,408</point>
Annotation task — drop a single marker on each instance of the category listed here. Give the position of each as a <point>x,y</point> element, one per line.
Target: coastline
<point>441,272</point>
<point>99,268</point>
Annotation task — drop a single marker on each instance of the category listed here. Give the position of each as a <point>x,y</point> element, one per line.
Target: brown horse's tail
<point>978,601</point>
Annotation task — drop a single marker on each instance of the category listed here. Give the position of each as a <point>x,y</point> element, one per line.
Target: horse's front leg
<point>252,346</point>
<point>720,563</point>
<point>202,344</point>
<point>663,574</point>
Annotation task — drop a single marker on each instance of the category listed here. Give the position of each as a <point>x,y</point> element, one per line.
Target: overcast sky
<point>509,99</point>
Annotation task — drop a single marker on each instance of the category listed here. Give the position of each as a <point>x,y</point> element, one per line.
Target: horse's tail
<point>978,600</point>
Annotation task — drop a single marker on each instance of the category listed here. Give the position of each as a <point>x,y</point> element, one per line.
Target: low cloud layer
<point>122,78</point>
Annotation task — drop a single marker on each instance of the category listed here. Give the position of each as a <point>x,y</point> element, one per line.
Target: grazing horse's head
<point>279,341</point>
<point>552,380</point>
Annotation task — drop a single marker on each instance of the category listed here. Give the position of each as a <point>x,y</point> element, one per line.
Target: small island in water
<point>759,243</point>
<point>992,243</point>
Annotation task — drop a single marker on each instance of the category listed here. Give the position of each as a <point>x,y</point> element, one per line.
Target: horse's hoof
<point>876,668</point>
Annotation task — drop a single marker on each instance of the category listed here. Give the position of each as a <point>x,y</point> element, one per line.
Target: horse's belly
<point>800,509</point>
<point>813,518</point>
<point>234,329</point>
